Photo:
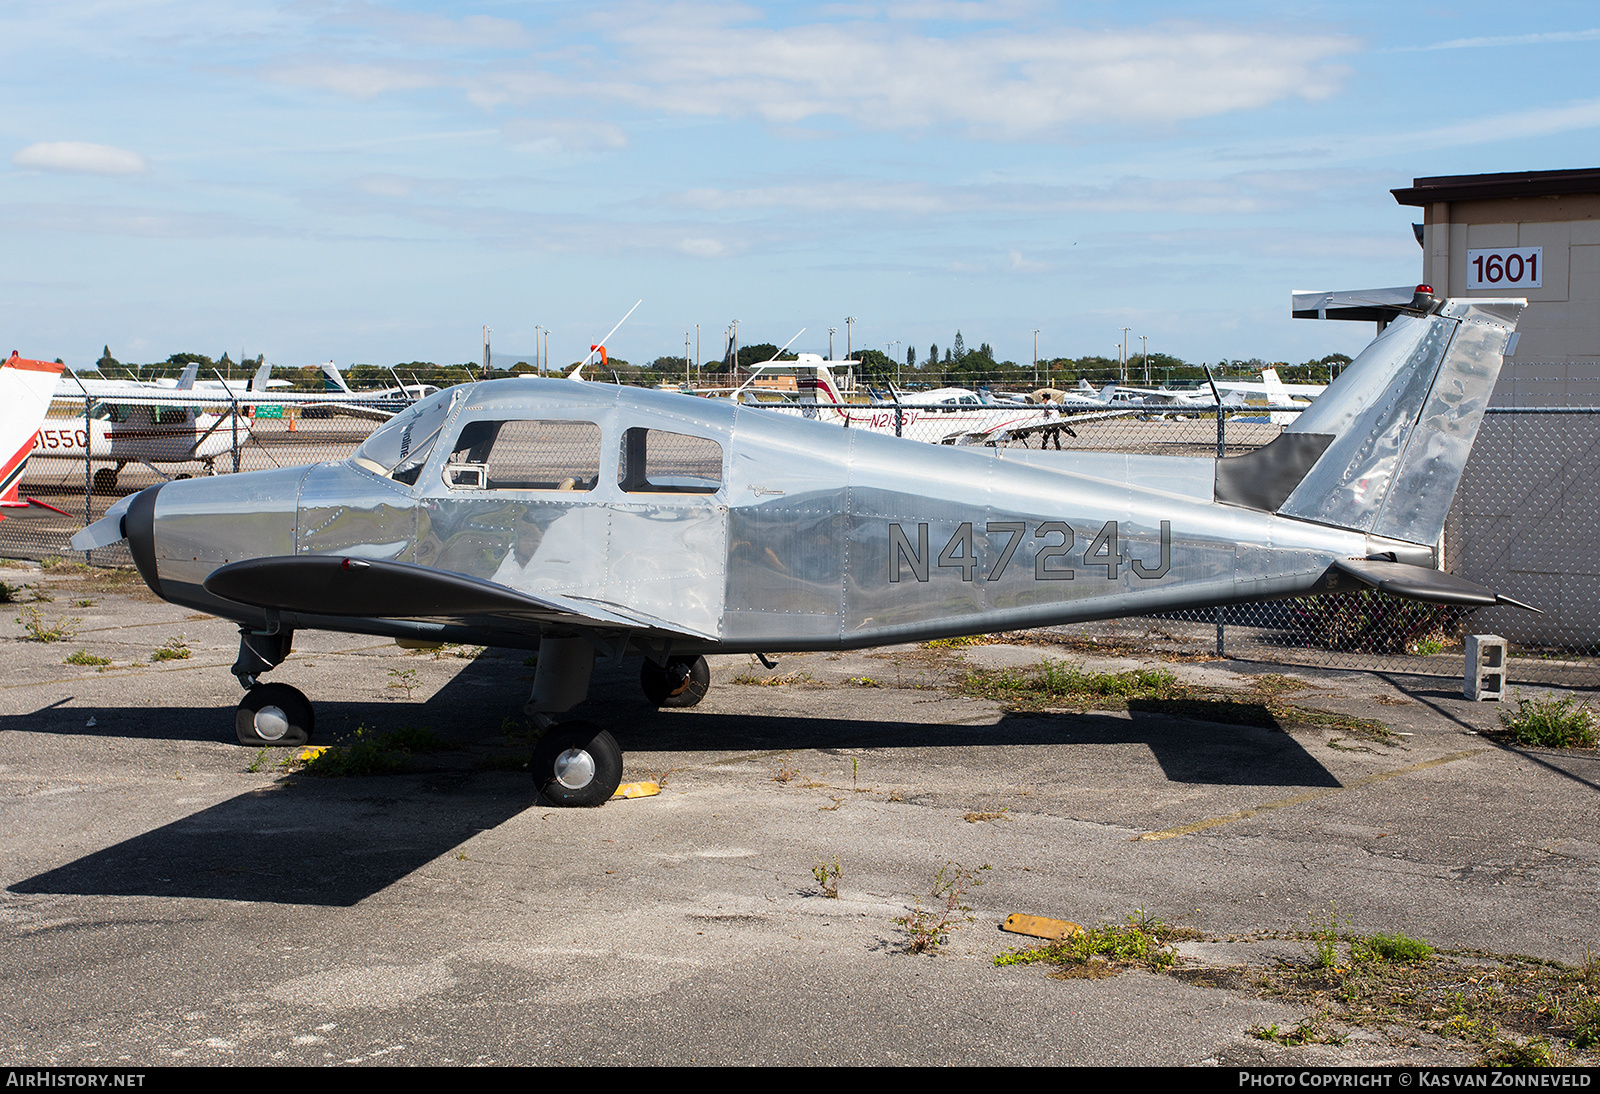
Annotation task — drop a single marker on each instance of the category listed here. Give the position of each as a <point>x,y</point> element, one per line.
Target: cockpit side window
<point>525,455</point>
<point>655,461</point>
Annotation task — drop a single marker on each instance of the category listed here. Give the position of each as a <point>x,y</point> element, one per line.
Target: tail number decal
<point>908,559</point>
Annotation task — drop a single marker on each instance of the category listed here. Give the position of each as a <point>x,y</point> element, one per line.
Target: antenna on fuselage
<point>577,370</point>
<point>757,370</point>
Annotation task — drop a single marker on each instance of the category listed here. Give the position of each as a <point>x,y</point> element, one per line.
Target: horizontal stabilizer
<point>373,588</point>
<point>1417,583</point>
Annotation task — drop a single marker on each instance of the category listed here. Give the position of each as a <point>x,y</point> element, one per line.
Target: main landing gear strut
<point>574,763</point>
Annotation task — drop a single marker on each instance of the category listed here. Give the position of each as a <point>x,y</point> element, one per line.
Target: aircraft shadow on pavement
<point>1188,751</point>
<point>336,842</point>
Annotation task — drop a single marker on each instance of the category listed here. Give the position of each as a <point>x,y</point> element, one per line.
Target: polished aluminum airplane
<point>582,519</point>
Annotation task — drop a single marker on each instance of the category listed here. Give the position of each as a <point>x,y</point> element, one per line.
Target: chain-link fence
<point>83,463</point>
<point>1524,523</point>
<point>1524,519</point>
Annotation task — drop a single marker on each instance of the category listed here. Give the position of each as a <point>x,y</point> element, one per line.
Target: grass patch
<point>1550,722</point>
<point>963,642</point>
<point>174,649</point>
<point>778,680</point>
<point>369,753</point>
<point>1506,1010</point>
<point>1056,685</point>
<point>84,657</point>
<point>1105,950</point>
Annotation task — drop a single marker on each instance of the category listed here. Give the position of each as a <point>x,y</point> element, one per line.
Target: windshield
<point>400,447</point>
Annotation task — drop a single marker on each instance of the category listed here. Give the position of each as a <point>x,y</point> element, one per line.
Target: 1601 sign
<point>1505,268</point>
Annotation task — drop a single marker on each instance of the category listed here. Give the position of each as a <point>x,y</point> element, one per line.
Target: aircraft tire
<point>274,716</point>
<point>105,480</point>
<point>683,682</point>
<point>577,764</point>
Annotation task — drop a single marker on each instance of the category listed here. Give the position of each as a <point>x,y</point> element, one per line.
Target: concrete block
<point>1485,677</point>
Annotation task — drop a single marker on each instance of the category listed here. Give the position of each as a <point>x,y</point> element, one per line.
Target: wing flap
<point>373,588</point>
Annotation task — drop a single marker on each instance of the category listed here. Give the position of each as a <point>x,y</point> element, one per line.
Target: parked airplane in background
<point>148,427</point>
<point>401,392</point>
<point>25,388</point>
<point>581,518</point>
<point>948,415</point>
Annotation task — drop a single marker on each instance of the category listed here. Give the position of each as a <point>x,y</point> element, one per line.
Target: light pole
<point>849,324</point>
<point>1035,356</point>
<point>831,331</point>
<point>538,361</point>
<point>1144,348</point>
<point>1125,331</point>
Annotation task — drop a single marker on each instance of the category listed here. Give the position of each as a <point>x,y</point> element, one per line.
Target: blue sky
<point>376,181</point>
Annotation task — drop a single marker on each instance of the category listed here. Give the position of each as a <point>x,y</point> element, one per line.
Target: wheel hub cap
<point>271,723</point>
<point>574,769</point>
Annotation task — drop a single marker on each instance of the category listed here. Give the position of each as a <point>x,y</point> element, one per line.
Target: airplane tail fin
<point>258,382</point>
<point>333,379</point>
<point>186,379</point>
<point>1107,392</point>
<point>1382,450</point>
<point>26,388</point>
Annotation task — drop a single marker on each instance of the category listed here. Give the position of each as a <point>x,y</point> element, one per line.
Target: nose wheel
<point>681,682</point>
<point>274,715</point>
<point>577,763</point>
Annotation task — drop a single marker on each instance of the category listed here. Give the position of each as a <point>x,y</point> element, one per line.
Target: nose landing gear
<point>274,715</point>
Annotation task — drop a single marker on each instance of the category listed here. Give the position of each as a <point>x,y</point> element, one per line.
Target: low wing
<point>1417,583</point>
<point>1004,433</point>
<point>376,589</point>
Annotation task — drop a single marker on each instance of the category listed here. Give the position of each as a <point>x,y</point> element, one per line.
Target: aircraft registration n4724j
<point>582,519</point>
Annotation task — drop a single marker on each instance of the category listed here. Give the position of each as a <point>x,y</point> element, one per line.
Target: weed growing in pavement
<point>366,753</point>
<point>1395,948</point>
<point>32,621</point>
<point>1550,722</point>
<point>8,593</point>
<point>828,875</point>
<point>174,649</point>
<point>1106,949</point>
<point>1309,1031</point>
<point>405,679</point>
<point>929,928</point>
<point>778,680</point>
<point>84,657</point>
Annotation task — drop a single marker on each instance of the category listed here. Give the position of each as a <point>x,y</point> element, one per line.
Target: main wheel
<point>577,763</point>
<point>105,480</point>
<point>683,682</point>
<point>274,714</point>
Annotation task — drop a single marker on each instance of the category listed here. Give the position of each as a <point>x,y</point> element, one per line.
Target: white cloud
<point>1000,84</point>
<point>79,157</point>
<point>1547,38</point>
<point>555,136</point>
<point>360,81</point>
<point>1243,193</point>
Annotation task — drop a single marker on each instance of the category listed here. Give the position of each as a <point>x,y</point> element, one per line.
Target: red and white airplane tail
<point>25,391</point>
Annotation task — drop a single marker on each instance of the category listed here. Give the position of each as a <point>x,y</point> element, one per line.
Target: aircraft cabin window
<point>525,455</point>
<point>657,462</point>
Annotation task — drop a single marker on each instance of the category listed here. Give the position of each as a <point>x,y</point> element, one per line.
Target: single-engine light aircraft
<point>25,388</point>
<point>584,518</point>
